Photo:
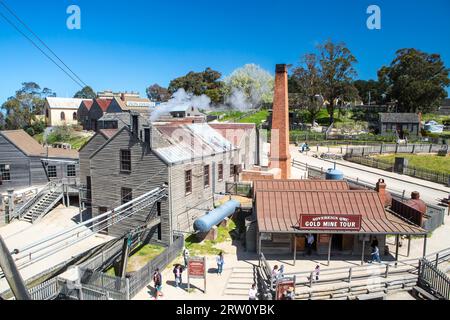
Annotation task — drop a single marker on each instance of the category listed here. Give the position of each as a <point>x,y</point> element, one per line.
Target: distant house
<point>400,123</point>
<point>99,108</point>
<point>445,107</point>
<point>83,113</point>
<point>186,113</point>
<point>25,163</point>
<point>61,111</point>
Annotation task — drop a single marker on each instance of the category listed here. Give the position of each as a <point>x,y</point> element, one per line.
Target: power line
<point>42,51</point>
<point>40,40</point>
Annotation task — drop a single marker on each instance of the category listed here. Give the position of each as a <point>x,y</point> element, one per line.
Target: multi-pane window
<point>51,171</point>
<point>220,169</point>
<point>71,171</point>
<point>5,172</point>
<point>232,170</point>
<point>188,181</point>
<point>125,160</point>
<point>126,194</point>
<point>206,181</point>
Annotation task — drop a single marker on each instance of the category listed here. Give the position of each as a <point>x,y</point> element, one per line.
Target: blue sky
<point>128,45</point>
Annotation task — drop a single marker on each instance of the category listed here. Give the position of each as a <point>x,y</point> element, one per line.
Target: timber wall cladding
<point>147,173</point>
<point>85,153</point>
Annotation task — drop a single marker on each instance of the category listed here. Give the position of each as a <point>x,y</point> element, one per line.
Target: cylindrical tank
<point>214,217</point>
<point>333,174</point>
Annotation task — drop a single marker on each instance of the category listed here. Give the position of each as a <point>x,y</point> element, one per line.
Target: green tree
<point>305,86</point>
<point>416,80</point>
<point>336,63</point>
<point>85,93</point>
<point>22,108</point>
<point>252,83</point>
<point>371,90</point>
<point>198,83</point>
<point>157,93</point>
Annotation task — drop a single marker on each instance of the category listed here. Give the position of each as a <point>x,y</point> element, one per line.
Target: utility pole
<point>12,275</point>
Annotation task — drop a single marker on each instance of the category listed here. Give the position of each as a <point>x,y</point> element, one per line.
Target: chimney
<point>381,189</point>
<point>279,148</point>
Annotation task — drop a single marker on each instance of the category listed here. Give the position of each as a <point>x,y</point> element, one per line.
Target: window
<point>126,195</point>
<point>125,160</point>
<point>206,176</point>
<point>188,181</point>
<point>51,171</point>
<point>63,116</point>
<point>5,172</point>
<point>74,116</point>
<point>71,171</point>
<point>220,171</point>
<point>232,170</point>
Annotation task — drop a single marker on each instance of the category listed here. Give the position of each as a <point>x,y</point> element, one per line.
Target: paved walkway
<point>20,233</point>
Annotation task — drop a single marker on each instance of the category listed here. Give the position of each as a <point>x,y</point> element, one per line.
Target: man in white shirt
<point>252,293</point>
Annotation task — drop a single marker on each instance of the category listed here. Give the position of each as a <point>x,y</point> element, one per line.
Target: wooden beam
<point>295,248</point>
<point>397,237</point>
<point>363,249</point>
<point>329,248</point>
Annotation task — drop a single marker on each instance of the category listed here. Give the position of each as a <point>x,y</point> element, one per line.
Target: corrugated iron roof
<point>279,211</point>
<point>274,185</point>
<point>103,103</point>
<point>399,117</point>
<point>191,141</point>
<point>233,131</point>
<point>87,103</point>
<point>63,103</point>
<point>24,142</point>
<point>108,133</point>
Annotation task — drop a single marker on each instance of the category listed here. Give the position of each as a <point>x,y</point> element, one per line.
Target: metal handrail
<point>20,212</point>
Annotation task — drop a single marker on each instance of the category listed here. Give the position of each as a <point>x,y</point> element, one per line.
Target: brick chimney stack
<point>381,189</point>
<point>280,156</point>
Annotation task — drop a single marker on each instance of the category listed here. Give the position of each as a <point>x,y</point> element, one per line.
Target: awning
<point>281,211</point>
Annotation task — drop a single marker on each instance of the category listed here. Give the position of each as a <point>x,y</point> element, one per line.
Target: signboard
<point>197,270</point>
<point>283,285</point>
<point>339,222</point>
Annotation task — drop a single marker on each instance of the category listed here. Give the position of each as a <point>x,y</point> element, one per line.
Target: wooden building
<point>25,163</point>
<point>99,108</point>
<point>195,161</point>
<point>83,113</point>
<point>61,111</point>
<point>342,221</point>
<point>400,123</point>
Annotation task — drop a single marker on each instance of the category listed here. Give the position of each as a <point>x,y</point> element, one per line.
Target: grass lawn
<point>76,141</point>
<point>422,161</point>
<point>140,258</point>
<point>256,118</point>
<point>207,247</point>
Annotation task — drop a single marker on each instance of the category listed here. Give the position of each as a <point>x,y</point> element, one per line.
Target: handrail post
<point>437,260</point>
<point>311,279</point>
<point>350,275</point>
<point>387,271</point>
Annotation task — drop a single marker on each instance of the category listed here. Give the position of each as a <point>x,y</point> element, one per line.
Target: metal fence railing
<point>239,188</point>
<point>425,174</point>
<point>433,280</point>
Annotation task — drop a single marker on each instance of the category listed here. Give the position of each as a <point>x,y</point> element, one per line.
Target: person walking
<point>177,271</point>
<point>220,262</point>
<point>157,280</point>
<point>275,271</point>
<point>280,273</point>
<point>253,292</point>
<point>317,272</point>
<point>374,243</point>
<point>186,256</point>
<point>309,243</point>
<point>376,255</point>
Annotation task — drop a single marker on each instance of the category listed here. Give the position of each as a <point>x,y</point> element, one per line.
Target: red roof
<point>274,185</point>
<point>233,132</point>
<point>103,103</point>
<point>280,211</point>
<point>88,104</point>
<point>108,133</point>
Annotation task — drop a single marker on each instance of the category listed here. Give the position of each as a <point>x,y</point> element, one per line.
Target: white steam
<point>181,100</point>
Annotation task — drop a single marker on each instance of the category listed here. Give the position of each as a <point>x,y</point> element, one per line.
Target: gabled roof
<point>399,117</point>
<point>190,142</point>
<point>87,104</point>
<point>280,211</point>
<point>63,103</point>
<point>105,133</point>
<point>30,147</point>
<point>103,103</point>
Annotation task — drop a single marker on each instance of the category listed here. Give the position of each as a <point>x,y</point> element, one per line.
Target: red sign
<point>340,222</point>
<point>196,268</point>
<point>284,286</point>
